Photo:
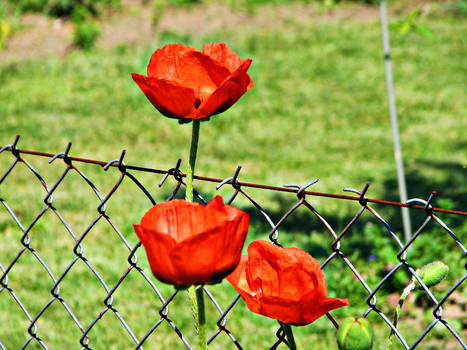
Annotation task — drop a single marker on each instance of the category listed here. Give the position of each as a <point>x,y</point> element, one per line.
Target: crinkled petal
<point>225,56</point>
<point>207,240</point>
<point>286,284</point>
<point>234,232</point>
<point>295,311</point>
<point>165,61</point>
<point>238,280</point>
<point>215,252</point>
<point>231,212</point>
<point>181,219</point>
<point>229,250</point>
<point>284,310</point>
<point>286,272</point>
<point>217,203</point>
<point>189,67</point>
<point>195,259</point>
<point>314,309</point>
<point>261,270</point>
<point>157,249</point>
<point>169,97</point>
<point>227,93</point>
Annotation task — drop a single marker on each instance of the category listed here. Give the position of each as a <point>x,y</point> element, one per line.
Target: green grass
<point>318,109</point>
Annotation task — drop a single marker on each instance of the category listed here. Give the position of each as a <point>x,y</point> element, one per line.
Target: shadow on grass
<point>447,178</point>
<point>302,222</point>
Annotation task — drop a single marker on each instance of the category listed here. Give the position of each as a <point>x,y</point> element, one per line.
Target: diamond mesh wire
<point>86,328</point>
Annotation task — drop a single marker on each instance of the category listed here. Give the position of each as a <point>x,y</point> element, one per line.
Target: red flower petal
<point>281,309</point>
<point>165,62</point>
<point>194,259</point>
<point>238,280</point>
<point>295,311</point>
<point>189,67</point>
<point>199,244</point>
<point>170,98</point>
<point>324,306</point>
<point>181,219</point>
<point>225,56</point>
<point>210,253</point>
<point>157,249</point>
<point>284,271</point>
<point>286,284</point>
<point>227,94</point>
<point>181,79</point>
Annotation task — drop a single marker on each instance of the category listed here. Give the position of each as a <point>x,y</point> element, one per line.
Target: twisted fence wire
<point>239,190</point>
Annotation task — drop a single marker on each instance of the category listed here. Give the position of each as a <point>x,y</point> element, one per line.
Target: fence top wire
<point>116,163</point>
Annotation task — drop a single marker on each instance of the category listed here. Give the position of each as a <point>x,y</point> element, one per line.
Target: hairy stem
<point>201,318</point>
<point>196,295</point>
<point>191,169</point>
<point>403,297</point>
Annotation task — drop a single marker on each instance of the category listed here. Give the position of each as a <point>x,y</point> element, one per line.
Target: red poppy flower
<point>188,243</point>
<point>286,284</point>
<point>183,82</point>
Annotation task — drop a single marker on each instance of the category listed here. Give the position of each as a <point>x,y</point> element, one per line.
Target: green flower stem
<point>403,297</point>
<point>289,335</point>
<point>201,318</point>
<point>196,294</point>
<point>191,169</point>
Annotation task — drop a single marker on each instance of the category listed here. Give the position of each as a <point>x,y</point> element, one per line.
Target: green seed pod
<point>355,333</point>
<point>431,274</point>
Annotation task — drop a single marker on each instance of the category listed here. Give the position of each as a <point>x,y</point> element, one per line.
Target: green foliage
<point>184,2</point>
<point>458,7</point>
<point>5,26</point>
<point>68,8</point>
<point>5,30</point>
<point>158,9</point>
<point>410,24</point>
<point>171,36</point>
<point>81,12</point>
<point>250,5</point>
<point>64,8</point>
<point>86,34</point>
<point>30,5</point>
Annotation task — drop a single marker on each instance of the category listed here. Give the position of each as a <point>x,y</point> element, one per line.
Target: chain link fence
<point>17,273</point>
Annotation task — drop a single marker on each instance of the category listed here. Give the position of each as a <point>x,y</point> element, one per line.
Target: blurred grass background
<point>318,110</point>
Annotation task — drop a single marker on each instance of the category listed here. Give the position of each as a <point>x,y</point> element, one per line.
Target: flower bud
<point>431,274</point>
<point>355,333</point>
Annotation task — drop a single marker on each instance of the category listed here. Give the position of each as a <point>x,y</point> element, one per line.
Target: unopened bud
<point>355,333</point>
<point>431,274</point>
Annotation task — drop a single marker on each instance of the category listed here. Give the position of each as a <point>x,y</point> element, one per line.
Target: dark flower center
<point>197,102</point>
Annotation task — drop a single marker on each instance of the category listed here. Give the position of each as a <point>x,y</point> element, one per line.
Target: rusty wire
<point>302,193</point>
<point>244,184</point>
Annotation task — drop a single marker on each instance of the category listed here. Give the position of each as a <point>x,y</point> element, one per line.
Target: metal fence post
<point>394,125</point>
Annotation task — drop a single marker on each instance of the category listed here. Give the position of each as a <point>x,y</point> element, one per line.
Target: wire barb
<point>233,180</point>
<point>175,172</point>
<point>64,155</point>
<point>301,189</point>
